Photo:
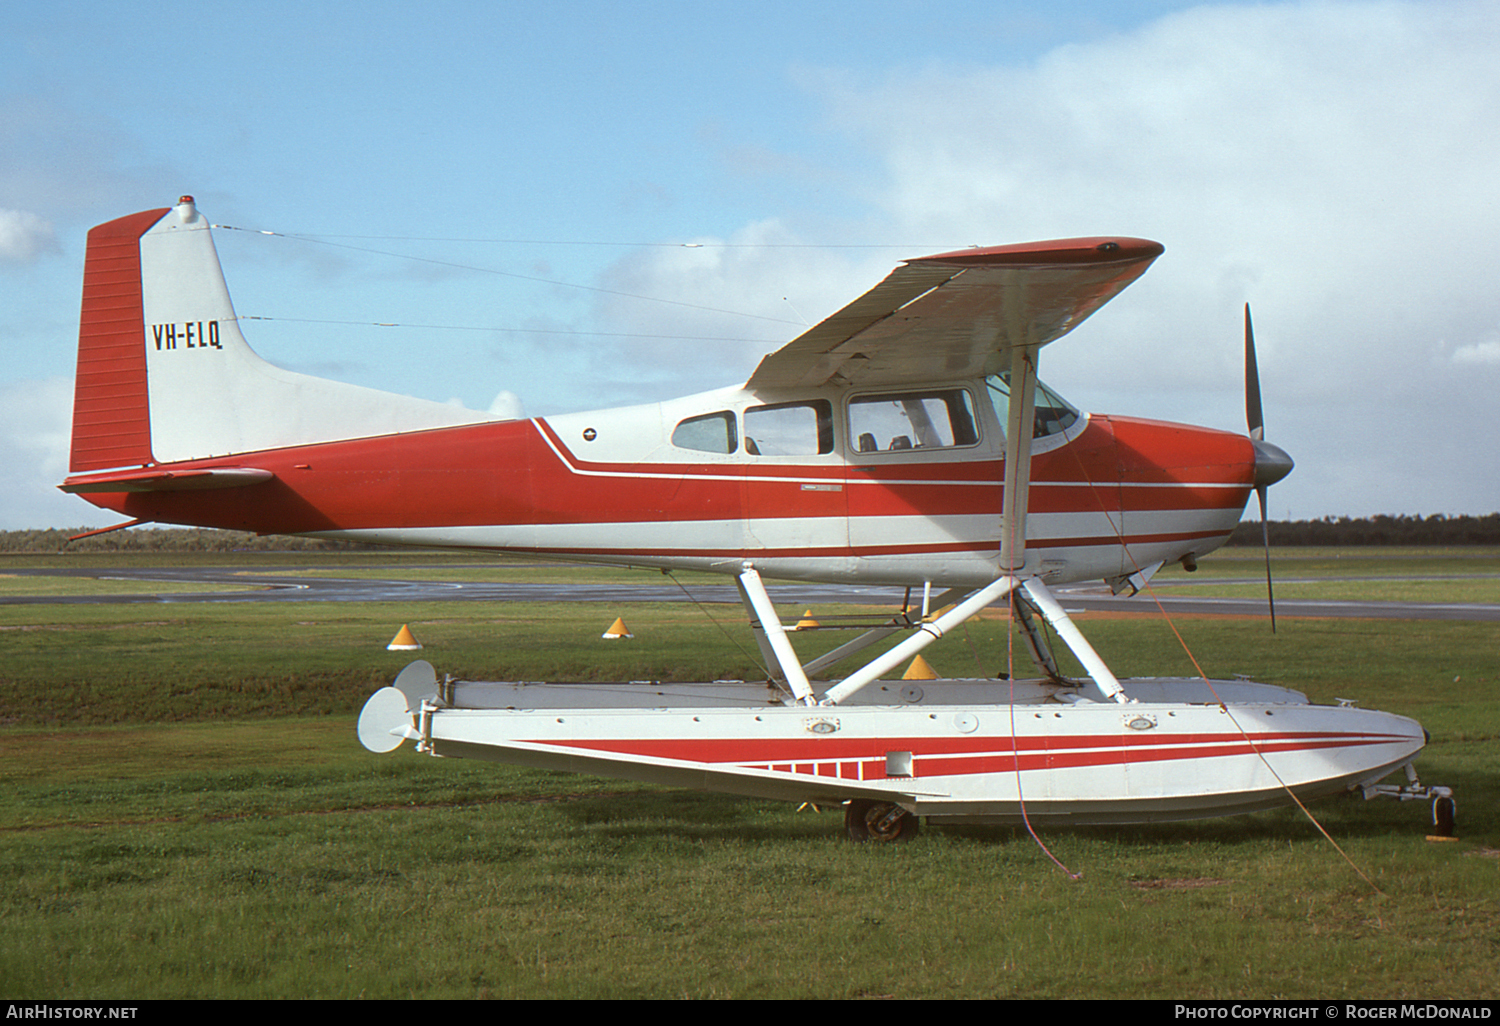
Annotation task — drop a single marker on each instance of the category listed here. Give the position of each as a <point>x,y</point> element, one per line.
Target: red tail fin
<point>111,414</point>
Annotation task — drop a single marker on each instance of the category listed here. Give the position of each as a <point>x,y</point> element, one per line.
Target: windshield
<point>1053,413</point>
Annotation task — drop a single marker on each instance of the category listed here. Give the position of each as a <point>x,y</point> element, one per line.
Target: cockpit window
<point>712,432</point>
<point>789,429</point>
<point>938,419</point>
<point>1053,413</point>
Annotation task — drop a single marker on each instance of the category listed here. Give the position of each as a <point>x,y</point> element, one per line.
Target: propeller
<point>1271,461</point>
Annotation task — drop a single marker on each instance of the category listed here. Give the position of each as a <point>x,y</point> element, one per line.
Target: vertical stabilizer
<point>164,374</point>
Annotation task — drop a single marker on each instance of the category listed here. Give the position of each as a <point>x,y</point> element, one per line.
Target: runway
<point>286,586</point>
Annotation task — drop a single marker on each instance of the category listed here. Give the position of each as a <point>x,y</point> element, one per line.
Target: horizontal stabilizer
<point>159,480</point>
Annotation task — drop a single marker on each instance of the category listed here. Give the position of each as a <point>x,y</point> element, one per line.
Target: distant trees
<point>1438,529</point>
<point>169,539</point>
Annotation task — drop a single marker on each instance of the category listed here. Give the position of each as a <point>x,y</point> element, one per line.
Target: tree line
<point>168,539</point>
<point>1438,529</point>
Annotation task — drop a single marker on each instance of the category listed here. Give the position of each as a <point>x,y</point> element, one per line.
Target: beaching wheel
<point>867,820</point>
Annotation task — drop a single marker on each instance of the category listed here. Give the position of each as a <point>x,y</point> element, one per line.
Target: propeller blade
<point>1271,463</point>
<point>1254,418</point>
<point>1265,536</point>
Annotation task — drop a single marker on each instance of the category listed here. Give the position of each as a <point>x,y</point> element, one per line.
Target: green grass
<point>1343,563</point>
<point>1448,590</point>
<point>1370,575</point>
<point>184,812</point>
<point>505,883</point>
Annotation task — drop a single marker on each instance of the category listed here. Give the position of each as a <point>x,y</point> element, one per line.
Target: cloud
<point>34,425</point>
<point>1331,162</point>
<point>701,315</point>
<point>1485,353</point>
<point>71,165</point>
<point>25,238</point>
<point>1307,151</point>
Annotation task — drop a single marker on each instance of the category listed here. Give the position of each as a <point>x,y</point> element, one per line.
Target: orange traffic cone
<point>807,623</point>
<point>403,641</point>
<point>919,670</point>
<point>617,631</point>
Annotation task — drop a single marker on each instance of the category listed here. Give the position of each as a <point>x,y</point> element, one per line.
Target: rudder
<point>111,410</point>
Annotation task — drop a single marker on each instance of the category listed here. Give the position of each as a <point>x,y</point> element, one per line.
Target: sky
<point>589,204</point>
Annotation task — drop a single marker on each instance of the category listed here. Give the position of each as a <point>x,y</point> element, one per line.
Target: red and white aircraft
<point>905,440</point>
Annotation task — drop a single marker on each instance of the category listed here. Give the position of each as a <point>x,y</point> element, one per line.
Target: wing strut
<point>1018,434</point>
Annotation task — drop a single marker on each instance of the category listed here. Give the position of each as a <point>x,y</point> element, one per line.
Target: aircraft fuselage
<point>642,486</point>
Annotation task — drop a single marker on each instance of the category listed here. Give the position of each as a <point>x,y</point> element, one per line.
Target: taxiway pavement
<point>285,585</point>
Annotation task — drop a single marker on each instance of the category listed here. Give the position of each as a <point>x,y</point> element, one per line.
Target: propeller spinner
<point>1271,461</point>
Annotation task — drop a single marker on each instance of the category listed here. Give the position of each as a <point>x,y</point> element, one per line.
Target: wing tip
<point>1100,250</point>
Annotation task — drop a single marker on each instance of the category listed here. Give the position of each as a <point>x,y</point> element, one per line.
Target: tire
<point>885,822</point>
<point>1442,817</point>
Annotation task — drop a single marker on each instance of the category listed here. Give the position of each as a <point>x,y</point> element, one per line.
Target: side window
<point>789,429</point>
<point>912,420</point>
<point>712,432</point>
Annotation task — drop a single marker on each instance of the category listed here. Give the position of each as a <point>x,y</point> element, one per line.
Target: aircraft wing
<point>958,315</point>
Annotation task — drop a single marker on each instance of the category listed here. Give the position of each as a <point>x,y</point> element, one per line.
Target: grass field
<point>184,812</point>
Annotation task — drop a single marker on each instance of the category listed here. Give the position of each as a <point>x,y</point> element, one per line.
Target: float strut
<point>754,591</point>
<point>926,634</point>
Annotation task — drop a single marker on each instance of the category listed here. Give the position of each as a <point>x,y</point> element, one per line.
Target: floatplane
<point>905,440</point>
